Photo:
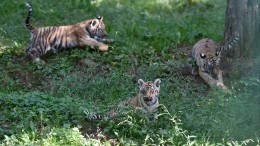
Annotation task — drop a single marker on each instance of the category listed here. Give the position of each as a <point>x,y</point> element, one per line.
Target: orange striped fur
<point>147,99</point>
<point>43,39</point>
<point>207,56</point>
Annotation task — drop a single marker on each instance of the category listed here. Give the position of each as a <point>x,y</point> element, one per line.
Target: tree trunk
<point>243,16</point>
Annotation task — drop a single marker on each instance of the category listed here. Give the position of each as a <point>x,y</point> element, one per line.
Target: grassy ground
<point>47,105</point>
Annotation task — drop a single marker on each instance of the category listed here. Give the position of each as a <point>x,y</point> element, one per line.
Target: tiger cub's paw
<point>105,40</point>
<point>103,48</point>
<point>38,61</point>
<point>194,71</point>
<point>155,117</point>
<point>222,86</point>
<point>109,41</point>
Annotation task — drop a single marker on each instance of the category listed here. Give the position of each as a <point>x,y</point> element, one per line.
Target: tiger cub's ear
<point>100,18</point>
<point>157,83</point>
<point>141,82</point>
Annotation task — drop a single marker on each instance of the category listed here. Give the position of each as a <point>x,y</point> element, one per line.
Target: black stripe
<point>27,20</point>
<point>154,102</point>
<point>66,43</point>
<point>60,43</point>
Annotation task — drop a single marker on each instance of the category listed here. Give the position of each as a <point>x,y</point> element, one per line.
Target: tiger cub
<point>146,99</point>
<point>43,39</point>
<point>207,56</point>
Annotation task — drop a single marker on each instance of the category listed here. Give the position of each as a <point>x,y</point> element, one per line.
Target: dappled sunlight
<point>3,48</point>
<point>177,3</point>
<point>51,136</point>
<point>12,38</point>
<point>8,46</point>
<point>96,2</point>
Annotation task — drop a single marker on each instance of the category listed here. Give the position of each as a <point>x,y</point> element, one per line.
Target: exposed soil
<point>90,131</point>
<point>97,68</point>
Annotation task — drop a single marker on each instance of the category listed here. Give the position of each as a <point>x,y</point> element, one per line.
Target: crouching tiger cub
<point>146,99</point>
<point>207,56</point>
<point>43,39</point>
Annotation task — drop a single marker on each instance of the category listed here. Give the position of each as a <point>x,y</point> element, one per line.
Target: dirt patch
<point>181,52</point>
<point>90,131</point>
<point>94,67</point>
<point>15,72</point>
<point>27,79</point>
<point>182,62</point>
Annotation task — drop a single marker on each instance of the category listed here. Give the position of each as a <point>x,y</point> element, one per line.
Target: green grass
<point>47,105</point>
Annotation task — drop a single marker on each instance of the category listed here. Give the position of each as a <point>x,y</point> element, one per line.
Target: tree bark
<point>243,17</point>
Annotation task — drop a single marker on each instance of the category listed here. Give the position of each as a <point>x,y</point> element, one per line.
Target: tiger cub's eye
<point>143,91</point>
<point>202,56</point>
<point>217,53</point>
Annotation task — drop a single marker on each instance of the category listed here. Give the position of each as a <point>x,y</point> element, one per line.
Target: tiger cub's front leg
<point>211,81</point>
<point>220,82</point>
<point>94,43</point>
<point>35,52</point>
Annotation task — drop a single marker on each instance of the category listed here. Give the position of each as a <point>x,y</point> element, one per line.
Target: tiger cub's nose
<point>147,98</point>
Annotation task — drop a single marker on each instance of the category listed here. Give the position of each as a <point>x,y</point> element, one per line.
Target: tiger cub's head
<point>207,55</point>
<point>96,28</point>
<point>149,91</point>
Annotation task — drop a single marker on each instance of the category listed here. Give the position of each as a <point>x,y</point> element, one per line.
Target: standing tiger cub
<point>43,39</point>
<point>146,99</point>
<point>207,56</point>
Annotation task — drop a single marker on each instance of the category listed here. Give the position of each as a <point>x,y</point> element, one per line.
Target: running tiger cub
<point>43,39</point>
<point>207,56</point>
<point>146,99</point>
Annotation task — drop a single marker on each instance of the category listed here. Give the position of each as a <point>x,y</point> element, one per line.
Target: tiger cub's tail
<point>230,45</point>
<point>27,20</point>
<point>110,115</point>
